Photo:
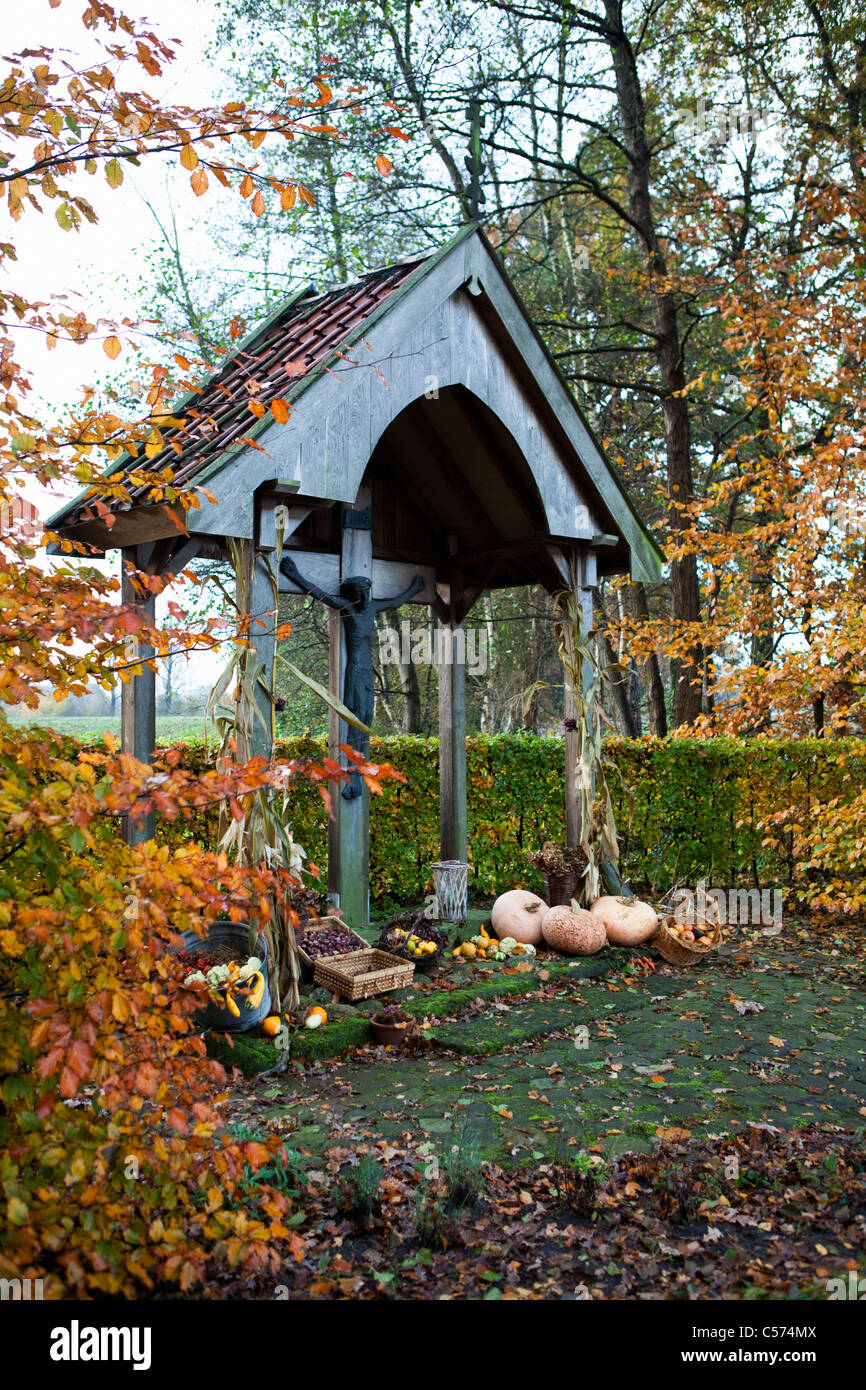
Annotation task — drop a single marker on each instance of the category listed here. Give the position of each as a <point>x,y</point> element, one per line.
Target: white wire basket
<point>451,878</point>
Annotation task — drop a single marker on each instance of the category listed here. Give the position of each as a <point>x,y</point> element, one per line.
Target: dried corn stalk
<point>583,679</point>
<point>262,835</point>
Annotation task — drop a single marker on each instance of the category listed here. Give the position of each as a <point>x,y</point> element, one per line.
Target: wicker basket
<point>561,888</point>
<point>326,922</point>
<point>361,974</point>
<point>684,953</point>
<point>388,944</point>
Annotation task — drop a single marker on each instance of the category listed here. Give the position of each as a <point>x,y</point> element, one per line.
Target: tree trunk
<point>619,685</point>
<point>634,699</point>
<point>411,693</point>
<point>655,690</point>
<point>668,351</point>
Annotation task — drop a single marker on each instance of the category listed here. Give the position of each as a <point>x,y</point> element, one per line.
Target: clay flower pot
<point>392,1029</point>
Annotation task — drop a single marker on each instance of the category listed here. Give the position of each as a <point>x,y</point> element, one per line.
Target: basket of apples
<point>683,941</point>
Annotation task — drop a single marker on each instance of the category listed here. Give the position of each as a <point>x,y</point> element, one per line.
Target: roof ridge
<point>338,286</point>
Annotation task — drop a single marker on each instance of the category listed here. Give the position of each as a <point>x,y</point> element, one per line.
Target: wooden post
<point>255,596</point>
<point>572,804</point>
<point>137,700</point>
<point>336,663</point>
<point>349,831</point>
<point>584,580</point>
<point>451,657</point>
<point>453,813</point>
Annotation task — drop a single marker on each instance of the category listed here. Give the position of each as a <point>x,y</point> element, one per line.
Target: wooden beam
<point>560,563</point>
<point>336,658</point>
<point>275,508</point>
<point>453,813</point>
<point>138,699</point>
<point>256,597</point>
<point>582,580</point>
<point>470,596</point>
<point>453,818</point>
<point>180,557</point>
<point>349,835</point>
<point>389,576</point>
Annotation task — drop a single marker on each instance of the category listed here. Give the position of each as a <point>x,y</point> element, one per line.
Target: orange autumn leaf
<point>256,1154</point>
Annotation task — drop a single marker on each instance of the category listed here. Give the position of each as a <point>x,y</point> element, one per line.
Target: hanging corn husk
<point>583,682</point>
<point>262,834</point>
<point>583,679</point>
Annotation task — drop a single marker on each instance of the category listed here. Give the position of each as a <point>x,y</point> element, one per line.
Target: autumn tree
<point>141,1186</point>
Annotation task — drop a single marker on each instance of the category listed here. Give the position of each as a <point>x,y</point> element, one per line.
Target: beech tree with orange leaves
<point>100,1061</point>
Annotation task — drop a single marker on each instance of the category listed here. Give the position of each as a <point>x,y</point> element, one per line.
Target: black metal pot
<point>221,1018</point>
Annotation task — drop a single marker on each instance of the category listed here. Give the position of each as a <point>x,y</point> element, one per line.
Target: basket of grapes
<point>328,937</point>
<point>414,938</point>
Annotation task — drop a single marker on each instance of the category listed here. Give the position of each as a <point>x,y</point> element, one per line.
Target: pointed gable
<point>427,380</point>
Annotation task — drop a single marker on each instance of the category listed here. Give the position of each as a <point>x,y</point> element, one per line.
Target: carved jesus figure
<point>357,609</point>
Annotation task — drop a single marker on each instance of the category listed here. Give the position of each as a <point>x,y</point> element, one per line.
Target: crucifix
<point>357,609</point>
<point>344,583</point>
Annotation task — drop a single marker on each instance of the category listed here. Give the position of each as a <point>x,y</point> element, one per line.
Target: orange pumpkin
<point>315,1017</point>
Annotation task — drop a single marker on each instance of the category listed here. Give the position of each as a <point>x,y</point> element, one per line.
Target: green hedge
<point>732,811</point>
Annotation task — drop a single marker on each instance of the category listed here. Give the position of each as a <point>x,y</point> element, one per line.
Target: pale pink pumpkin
<point>519,914</point>
<point>572,931</point>
<point>627,921</point>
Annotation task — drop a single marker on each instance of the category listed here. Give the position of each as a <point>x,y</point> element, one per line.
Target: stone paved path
<point>609,1065</point>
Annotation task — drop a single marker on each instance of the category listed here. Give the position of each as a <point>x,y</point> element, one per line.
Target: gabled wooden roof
<point>310,330</point>
<point>360,355</point>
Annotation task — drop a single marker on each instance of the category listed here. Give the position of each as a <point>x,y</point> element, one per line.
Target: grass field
<point>169,727</point>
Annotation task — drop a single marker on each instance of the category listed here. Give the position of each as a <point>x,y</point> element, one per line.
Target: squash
<point>627,921</point>
<point>519,914</point>
<point>573,931</point>
<point>315,1017</point>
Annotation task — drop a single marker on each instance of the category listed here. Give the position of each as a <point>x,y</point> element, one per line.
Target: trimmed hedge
<point>732,811</point>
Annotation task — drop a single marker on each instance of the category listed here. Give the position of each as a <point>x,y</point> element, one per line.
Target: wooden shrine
<point>431,446</point>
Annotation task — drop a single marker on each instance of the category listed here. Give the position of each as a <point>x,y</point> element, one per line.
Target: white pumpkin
<point>627,921</point>
<point>519,914</point>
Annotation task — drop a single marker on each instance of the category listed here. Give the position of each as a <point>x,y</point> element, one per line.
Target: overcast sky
<point>99,266</point>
